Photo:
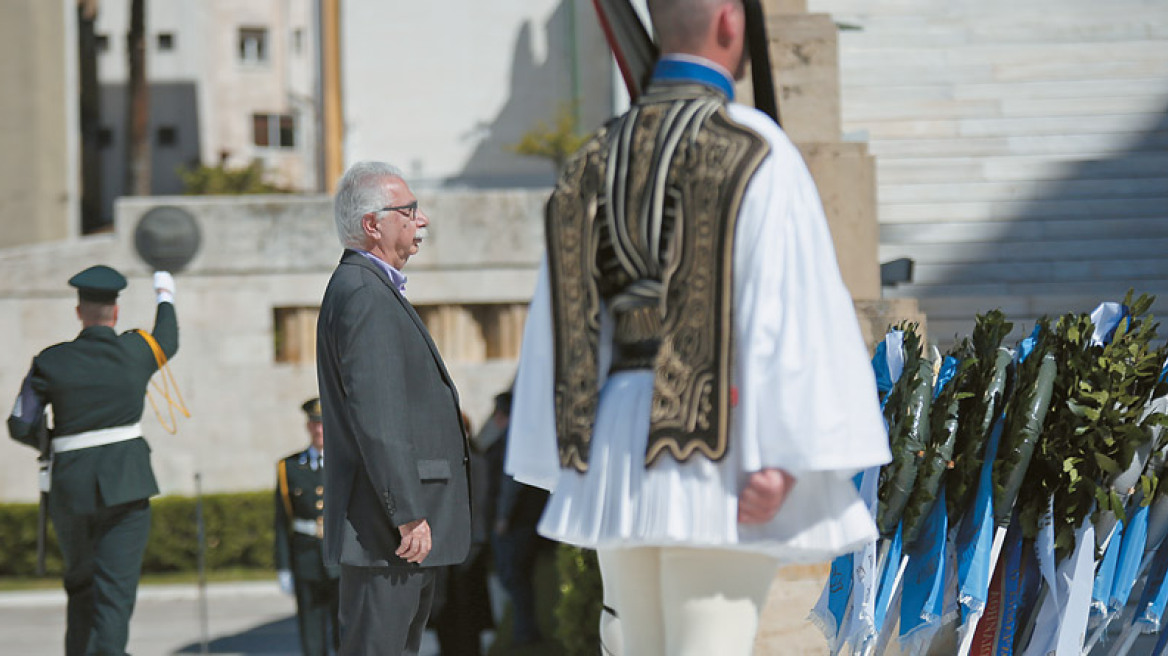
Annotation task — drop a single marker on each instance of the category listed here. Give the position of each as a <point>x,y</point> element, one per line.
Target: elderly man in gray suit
<point>397,504</point>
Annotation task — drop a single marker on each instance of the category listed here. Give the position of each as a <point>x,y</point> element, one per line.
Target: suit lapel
<point>355,258</point>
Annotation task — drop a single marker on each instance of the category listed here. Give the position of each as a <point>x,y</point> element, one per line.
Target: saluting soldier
<point>101,479</point>
<point>299,541</point>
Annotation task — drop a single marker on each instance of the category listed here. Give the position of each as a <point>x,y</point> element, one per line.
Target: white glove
<point>285,578</point>
<point>164,286</point>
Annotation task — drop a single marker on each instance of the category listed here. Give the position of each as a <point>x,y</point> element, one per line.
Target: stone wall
<point>258,254</point>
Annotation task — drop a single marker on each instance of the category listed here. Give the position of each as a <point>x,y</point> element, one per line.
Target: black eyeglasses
<point>409,209</point>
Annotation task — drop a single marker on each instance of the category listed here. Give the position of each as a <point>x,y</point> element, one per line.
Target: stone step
<point>893,171</point>
<point>1007,250</point>
<point>1073,144</point>
<point>1023,190</point>
<point>952,311</point>
<point>1102,269</point>
<point>968,7</point>
<point>893,106</point>
<point>900,55</point>
<point>1056,302</point>
<point>995,11</point>
<point>1105,224</point>
<point>857,92</point>
<point>1022,148</point>
<point>875,70</point>
<point>945,331</point>
<point>1031,126</point>
<point>1019,28</point>
<point>964,301</point>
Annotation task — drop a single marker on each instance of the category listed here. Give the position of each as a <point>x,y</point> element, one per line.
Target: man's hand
<point>164,286</point>
<point>415,544</point>
<point>763,495</point>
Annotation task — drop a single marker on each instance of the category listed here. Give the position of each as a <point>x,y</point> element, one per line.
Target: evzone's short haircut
<point>681,25</point>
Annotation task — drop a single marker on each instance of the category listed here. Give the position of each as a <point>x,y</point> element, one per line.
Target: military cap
<point>99,284</point>
<point>311,407</point>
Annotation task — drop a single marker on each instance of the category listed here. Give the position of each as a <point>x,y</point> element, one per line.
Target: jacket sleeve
<point>370,351</point>
<point>166,328</point>
<point>283,557</point>
<point>28,409</point>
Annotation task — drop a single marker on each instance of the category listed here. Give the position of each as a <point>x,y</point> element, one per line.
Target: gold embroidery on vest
<point>642,220</point>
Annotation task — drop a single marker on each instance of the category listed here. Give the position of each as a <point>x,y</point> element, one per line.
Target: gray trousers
<point>384,609</point>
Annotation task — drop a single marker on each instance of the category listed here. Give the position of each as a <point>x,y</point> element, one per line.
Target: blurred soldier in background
<point>462,605</point>
<point>100,476</point>
<point>299,532</point>
<point>516,512</point>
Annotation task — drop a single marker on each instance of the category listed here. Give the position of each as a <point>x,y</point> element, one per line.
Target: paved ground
<point>242,618</point>
<point>255,619</point>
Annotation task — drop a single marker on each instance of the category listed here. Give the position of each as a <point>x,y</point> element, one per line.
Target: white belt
<point>305,526</point>
<point>98,437</point>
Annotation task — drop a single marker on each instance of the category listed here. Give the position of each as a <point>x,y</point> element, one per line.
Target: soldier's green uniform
<point>299,545</point>
<point>101,478</point>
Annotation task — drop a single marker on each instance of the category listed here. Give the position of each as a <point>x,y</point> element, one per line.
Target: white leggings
<point>676,601</point>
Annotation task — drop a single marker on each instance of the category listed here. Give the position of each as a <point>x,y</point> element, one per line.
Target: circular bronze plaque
<point>167,238</point>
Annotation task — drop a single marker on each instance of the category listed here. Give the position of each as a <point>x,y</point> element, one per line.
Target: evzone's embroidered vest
<point>641,225</point>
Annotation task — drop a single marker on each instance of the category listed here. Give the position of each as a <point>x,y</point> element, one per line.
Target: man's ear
<point>729,23</point>
<point>369,224</point>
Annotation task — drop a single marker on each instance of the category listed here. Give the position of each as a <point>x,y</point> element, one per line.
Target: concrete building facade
<point>229,82</point>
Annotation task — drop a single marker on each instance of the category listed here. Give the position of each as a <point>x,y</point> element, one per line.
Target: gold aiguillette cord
<point>168,381</point>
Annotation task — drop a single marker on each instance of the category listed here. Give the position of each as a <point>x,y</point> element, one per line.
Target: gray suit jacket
<point>395,442</point>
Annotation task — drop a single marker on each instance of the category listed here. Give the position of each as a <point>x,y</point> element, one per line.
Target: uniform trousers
<point>316,616</point>
<point>680,601</point>
<point>103,561</point>
<point>384,609</point>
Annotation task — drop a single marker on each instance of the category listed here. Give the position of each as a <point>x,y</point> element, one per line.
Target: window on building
<point>294,334</point>
<point>102,42</point>
<point>165,41</point>
<point>166,135</point>
<point>274,130</point>
<point>298,40</point>
<point>253,45</point>
<point>105,138</point>
<point>475,333</point>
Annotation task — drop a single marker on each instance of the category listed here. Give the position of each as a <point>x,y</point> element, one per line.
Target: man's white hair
<point>681,25</point>
<point>359,192</point>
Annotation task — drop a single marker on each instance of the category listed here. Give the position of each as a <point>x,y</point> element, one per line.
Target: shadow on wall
<point>1086,237</point>
<point>572,70</point>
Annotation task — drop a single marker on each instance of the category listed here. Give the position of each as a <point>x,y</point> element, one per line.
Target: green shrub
<point>220,180</point>
<point>581,599</point>
<point>239,533</point>
<point>18,539</point>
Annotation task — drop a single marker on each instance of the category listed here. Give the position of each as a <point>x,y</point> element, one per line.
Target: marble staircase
<point>1021,149</point>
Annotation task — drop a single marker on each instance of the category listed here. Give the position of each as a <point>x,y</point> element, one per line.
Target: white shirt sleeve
<point>806,392</point>
<point>532,455</point>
